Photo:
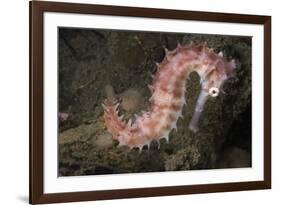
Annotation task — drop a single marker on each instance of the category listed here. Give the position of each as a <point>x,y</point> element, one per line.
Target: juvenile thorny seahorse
<point>168,95</point>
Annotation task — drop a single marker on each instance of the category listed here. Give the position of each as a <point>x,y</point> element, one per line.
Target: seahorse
<point>168,95</point>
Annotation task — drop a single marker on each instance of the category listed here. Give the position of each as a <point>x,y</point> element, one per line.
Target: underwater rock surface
<point>91,59</point>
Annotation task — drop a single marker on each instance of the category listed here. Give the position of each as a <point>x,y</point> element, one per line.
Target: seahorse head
<point>213,74</point>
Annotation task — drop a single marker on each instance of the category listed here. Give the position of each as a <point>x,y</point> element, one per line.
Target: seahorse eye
<point>214,92</point>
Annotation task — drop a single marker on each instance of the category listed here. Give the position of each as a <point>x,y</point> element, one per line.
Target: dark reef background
<point>91,59</point>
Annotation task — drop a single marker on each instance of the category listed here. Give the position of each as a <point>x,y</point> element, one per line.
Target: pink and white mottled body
<point>168,95</point>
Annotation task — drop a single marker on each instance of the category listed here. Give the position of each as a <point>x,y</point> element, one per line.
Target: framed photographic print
<point>136,102</point>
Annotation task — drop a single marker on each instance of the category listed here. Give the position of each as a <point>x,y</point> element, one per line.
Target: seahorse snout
<point>202,99</point>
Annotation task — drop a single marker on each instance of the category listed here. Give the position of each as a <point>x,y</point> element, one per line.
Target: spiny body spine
<point>168,95</point>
